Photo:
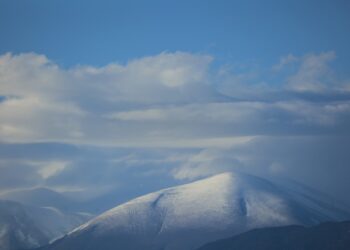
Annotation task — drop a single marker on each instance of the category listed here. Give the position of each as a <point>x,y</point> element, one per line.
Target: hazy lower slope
<point>23,227</point>
<point>326,236</point>
<point>187,216</point>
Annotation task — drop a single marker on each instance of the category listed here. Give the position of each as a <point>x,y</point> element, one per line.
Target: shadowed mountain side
<point>326,236</point>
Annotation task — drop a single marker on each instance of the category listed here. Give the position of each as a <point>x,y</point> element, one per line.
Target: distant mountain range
<point>188,216</point>
<point>326,236</point>
<point>45,197</point>
<point>42,197</point>
<point>23,226</point>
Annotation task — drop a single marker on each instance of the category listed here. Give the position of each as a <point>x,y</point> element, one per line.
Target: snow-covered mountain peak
<point>215,207</point>
<point>200,197</point>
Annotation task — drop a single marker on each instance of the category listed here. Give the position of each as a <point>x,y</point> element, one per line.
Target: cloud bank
<point>174,115</point>
<point>163,98</point>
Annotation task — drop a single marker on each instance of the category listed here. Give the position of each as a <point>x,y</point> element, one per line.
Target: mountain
<point>72,201</point>
<point>326,236</point>
<point>188,216</point>
<point>23,226</point>
<point>42,197</point>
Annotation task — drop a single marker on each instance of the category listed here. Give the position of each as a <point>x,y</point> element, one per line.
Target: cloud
<point>170,117</point>
<point>284,61</point>
<point>205,163</point>
<point>43,102</point>
<point>314,73</point>
<point>52,168</point>
<point>317,161</point>
<point>33,119</point>
<point>163,98</point>
<point>248,118</point>
<point>166,78</point>
<point>171,70</point>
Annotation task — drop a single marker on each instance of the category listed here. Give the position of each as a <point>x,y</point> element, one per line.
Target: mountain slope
<point>23,227</point>
<point>326,236</point>
<point>187,216</point>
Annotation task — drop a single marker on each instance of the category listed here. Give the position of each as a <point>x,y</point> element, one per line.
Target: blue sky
<point>125,96</point>
<point>99,32</point>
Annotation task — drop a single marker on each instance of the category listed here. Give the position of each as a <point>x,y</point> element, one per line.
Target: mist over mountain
<point>42,197</point>
<point>187,216</point>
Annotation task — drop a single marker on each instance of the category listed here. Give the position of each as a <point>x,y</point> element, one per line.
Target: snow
<point>187,216</point>
<point>228,203</point>
<point>31,226</point>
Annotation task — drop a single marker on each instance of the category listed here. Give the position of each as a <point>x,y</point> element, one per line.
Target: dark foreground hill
<point>326,236</point>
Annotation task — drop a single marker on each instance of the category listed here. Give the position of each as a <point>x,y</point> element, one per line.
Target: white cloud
<point>172,70</point>
<point>205,121</point>
<point>44,102</point>
<point>34,119</point>
<point>29,75</point>
<point>167,100</point>
<point>49,169</point>
<point>314,73</point>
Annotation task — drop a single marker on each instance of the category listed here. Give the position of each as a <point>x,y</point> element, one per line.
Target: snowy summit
<point>187,216</point>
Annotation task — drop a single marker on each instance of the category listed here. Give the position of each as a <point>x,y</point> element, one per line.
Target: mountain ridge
<point>41,197</point>
<point>187,216</point>
<point>24,226</point>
